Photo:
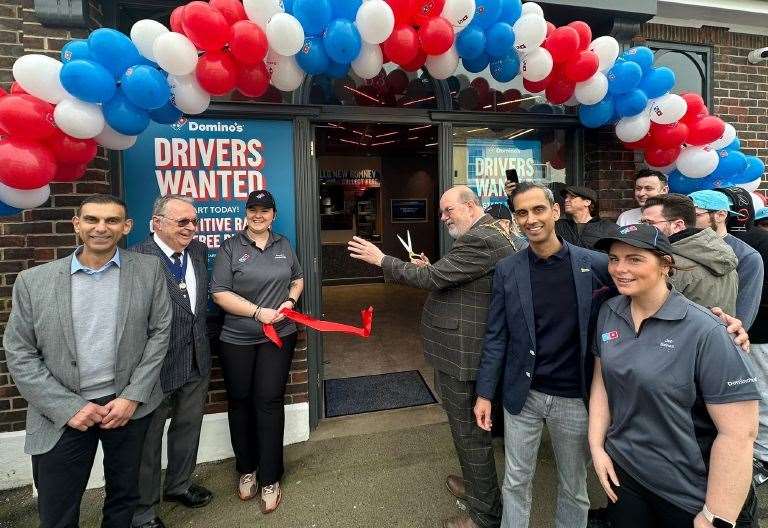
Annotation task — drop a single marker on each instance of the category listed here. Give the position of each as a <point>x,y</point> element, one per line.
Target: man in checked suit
<point>185,373</point>
<point>453,326</point>
<point>84,343</point>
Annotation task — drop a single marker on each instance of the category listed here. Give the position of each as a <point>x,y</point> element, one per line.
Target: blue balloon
<point>641,55</point>
<point>631,103</point>
<point>735,145</point>
<point>345,8</point>
<point>487,12</point>
<point>754,170</point>
<point>657,81</point>
<point>312,57</point>
<point>125,117</point>
<point>499,39</point>
<point>166,115</point>
<point>113,50</point>
<point>88,81</point>
<point>7,210</point>
<point>313,15</point>
<point>596,115</point>
<point>624,77</point>
<point>470,43</point>
<point>288,6</point>
<point>731,164</point>
<point>510,11</point>
<point>477,64</point>
<point>505,68</point>
<point>336,70</point>
<point>684,185</point>
<point>342,41</point>
<point>75,50</point>
<point>145,87</point>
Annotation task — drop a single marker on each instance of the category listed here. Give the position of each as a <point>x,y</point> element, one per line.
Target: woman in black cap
<point>673,405</point>
<point>256,274</point>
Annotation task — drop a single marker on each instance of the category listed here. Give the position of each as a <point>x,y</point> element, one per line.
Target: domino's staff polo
<point>260,276</point>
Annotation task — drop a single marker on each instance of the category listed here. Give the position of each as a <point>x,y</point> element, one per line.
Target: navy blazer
<point>510,337</point>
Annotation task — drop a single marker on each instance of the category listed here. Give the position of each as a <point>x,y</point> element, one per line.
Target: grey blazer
<point>189,332</point>
<point>40,345</point>
<point>453,319</point>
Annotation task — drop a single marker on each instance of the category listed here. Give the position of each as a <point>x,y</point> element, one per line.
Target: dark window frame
<point>701,56</point>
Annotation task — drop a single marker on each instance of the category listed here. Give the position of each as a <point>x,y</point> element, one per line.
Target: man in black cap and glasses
<point>583,227</point>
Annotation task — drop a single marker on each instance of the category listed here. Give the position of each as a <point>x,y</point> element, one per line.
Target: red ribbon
<point>366,316</point>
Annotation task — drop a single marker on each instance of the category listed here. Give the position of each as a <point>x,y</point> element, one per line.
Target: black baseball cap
<point>583,192</point>
<point>263,198</point>
<point>499,211</point>
<point>642,236</point>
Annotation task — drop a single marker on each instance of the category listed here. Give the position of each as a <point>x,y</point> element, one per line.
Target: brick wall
<point>46,233</point>
<point>740,98</point>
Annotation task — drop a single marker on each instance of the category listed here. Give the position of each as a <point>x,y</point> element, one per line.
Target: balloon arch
<point>106,89</point>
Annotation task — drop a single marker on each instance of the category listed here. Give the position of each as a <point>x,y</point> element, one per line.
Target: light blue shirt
<point>78,266</point>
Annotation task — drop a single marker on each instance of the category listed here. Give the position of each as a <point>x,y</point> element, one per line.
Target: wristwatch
<point>717,522</point>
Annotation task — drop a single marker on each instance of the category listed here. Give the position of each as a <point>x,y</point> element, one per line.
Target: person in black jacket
<point>582,227</point>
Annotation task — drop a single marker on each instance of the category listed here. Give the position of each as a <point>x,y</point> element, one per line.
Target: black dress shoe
<point>154,523</point>
<point>195,497</point>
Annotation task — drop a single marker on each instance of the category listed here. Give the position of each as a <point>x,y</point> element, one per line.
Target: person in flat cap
<point>582,227</point>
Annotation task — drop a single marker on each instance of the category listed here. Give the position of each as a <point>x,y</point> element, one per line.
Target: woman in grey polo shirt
<point>255,275</point>
<point>673,406</point>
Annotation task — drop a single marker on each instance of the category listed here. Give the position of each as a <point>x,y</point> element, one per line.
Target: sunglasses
<point>181,222</point>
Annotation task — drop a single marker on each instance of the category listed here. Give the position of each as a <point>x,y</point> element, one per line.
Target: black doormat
<point>363,394</point>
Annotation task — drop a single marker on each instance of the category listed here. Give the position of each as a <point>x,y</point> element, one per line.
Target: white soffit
<point>739,16</point>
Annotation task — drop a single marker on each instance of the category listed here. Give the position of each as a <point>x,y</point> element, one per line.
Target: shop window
<point>692,66</point>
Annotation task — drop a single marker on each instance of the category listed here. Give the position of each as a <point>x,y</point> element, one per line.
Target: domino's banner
<point>217,162</point>
<point>489,159</point>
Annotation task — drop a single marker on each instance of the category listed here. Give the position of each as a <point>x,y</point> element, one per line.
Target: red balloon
<point>16,89</point>
<point>436,36</point>
<point>536,86</point>
<point>585,33</point>
<point>3,92</point>
<point>563,44</point>
<point>416,63</point>
<point>249,43</point>
<point>25,116</point>
<point>176,15</point>
<point>232,10</point>
<point>559,89</point>
<point>397,81</point>
<point>662,157</point>
<point>253,80</point>
<point>217,72</point>
<point>402,46</point>
<point>70,173</point>
<point>705,130</point>
<point>550,28</point>
<point>205,27</point>
<point>403,10</point>
<point>72,151</point>
<point>25,164</point>
<point>424,10</point>
<point>583,67</point>
<point>668,136</point>
<point>697,108</point>
<point>641,144</point>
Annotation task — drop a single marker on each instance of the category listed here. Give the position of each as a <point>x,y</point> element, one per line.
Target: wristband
<point>717,522</point>
<point>256,313</point>
<point>293,301</point>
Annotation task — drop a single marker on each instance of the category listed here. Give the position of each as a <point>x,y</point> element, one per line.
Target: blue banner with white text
<point>489,159</point>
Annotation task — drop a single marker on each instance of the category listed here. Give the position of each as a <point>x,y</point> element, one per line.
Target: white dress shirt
<point>189,276</point>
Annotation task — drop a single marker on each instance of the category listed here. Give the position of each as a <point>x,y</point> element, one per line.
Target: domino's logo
<point>610,336</point>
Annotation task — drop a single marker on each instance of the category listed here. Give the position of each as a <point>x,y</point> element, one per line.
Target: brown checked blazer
<point>453,320</point>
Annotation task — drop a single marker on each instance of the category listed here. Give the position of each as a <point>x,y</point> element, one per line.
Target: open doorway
<point>376,181</point>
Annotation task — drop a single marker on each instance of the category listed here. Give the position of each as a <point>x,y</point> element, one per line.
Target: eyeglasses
<point>654,224</point>
<point>451,208</point>
<point>181,222</point>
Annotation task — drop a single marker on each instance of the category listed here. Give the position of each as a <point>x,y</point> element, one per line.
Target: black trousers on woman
<point>255,378</point>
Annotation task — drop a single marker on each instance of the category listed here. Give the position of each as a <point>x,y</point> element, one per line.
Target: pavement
<point>344,476</point>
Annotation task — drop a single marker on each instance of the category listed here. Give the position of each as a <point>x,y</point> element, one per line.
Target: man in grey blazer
<point>84,343</point>
<point>453,326</point>
<point>185,373</point>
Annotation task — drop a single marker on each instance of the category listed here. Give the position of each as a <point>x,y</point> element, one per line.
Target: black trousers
<point>474,449</point>
<point>62,473</point>
<point>638,507</point>
<point>255,378</point>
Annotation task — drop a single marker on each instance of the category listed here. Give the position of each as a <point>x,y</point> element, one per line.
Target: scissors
<point>408,245</point>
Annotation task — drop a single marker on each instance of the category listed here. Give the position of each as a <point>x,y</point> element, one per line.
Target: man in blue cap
<point>761,218</point>
<point>712,210</point>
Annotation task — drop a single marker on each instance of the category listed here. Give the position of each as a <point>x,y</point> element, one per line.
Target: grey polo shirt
<point>658,383</point>
<point>262,276</point>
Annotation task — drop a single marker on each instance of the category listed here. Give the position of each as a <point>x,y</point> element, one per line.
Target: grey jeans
<point>566,420</point>
<point>759,356</point>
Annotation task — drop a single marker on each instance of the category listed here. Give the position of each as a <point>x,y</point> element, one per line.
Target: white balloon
<point>757,201</point>
<point>24,199</point>
<point>444,65</point>
<point>532,8</point>
<point>144,33</point>
<point>459,13</point>
<point>537,65</point>
<point>375,21</point>
<point>593,90</point>
<point>175,53</point>
<point>369,61</point>
<point>38,75</point>
<point>285,34</point>
<point>668,109</point>
<point>112,139</point>
<point>285,73</point>
<point>79,119</point>
<point>635,128</point>
<point>726,139</point>
<point>697,162</point>
<point>187,95</point>
<point>530,31</point>
<point>751,187</point>
<point>607,49</point>
<point>260,11</point>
